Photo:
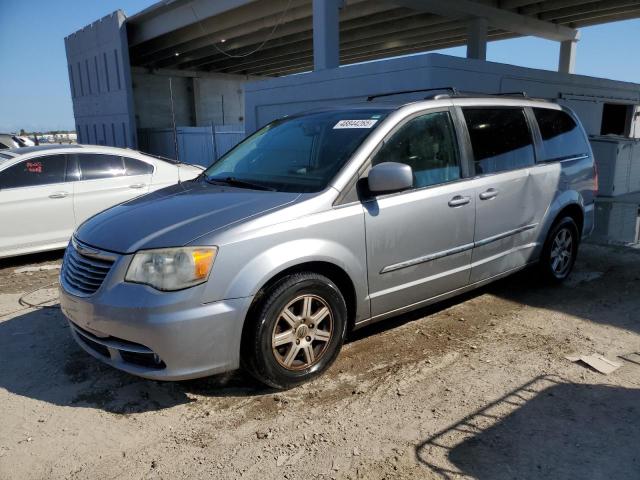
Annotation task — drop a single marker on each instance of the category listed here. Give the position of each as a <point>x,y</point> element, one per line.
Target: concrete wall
<point>273,98</point>
<point>100,82</point>
<point>110,103</point>
<point>199,98</point>
<point>152,100</point>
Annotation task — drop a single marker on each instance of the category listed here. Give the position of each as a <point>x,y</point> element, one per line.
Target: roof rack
<point>511,94</point>
<point>453,91</point>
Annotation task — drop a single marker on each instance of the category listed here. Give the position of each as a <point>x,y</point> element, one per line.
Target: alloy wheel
<point>561,252</point>
<point>302,332</point>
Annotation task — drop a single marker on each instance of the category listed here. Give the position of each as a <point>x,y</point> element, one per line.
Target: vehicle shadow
<point>604,288</point>
<point>40,359</point>
<point>604,279</point>
<point>547,428</point>
<point>30,259</point>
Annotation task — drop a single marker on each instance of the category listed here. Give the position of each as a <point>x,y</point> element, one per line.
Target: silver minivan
<point>323,222</point>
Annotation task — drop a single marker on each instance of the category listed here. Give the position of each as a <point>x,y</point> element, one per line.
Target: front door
<point>507,212</point>
<point>419,241</point>
<point>36,205</point>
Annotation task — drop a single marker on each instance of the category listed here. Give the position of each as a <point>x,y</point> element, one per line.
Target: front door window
<point>428,145</point>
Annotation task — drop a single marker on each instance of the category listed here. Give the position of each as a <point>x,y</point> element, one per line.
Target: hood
<point>176,215</point>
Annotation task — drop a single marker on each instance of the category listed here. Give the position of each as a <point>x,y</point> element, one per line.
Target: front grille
<point>84,273</point>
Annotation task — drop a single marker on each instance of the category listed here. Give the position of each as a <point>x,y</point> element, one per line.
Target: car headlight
<point>172,268</point>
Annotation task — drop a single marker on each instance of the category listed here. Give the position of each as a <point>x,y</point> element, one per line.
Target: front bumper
<point>156,335</point>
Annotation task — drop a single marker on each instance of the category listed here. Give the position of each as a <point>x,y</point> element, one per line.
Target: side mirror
<point>390,177</point>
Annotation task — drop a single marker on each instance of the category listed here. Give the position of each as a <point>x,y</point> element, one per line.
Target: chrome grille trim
<point>84,268</point>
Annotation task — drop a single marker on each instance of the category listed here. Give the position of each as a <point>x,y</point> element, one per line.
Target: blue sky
<point>34,84</point>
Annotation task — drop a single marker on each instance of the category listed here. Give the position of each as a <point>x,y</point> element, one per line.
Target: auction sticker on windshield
<point>355,124</point>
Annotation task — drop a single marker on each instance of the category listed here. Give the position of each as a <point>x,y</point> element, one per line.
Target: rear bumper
<point>589,220</point>
<point>166,336</point>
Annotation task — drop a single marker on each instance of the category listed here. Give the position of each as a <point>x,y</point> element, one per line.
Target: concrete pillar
<point>477,39</point>
<point>567,60</point>
<point>326,34</point>
<point>194,101</point>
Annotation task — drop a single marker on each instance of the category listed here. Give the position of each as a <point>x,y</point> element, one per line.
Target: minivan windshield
<point>297,154</point>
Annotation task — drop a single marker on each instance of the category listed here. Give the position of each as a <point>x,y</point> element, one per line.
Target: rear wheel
<point>296,331</point>
<point>560,250</point>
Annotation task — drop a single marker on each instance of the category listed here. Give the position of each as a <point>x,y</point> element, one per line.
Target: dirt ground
<point>478,387</point>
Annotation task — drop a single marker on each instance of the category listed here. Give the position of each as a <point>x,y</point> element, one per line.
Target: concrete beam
<point>384,52</point>
<point>567,60</point>
<point>496,17</point>
<point>477,41</point>
<point>163,17</point>
<point>326,34</point>
<point>359,52</point>
<point>296,25</point>
<point>304,52</point>
<point>373,29</point>
<point>258,17</point>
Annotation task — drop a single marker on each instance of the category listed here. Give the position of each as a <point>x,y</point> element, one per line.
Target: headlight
<point>172,268</point>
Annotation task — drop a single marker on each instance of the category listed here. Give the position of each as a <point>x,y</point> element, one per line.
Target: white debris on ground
<point>40,268</point>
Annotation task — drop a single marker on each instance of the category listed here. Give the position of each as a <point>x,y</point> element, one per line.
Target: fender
<point>562,200</point>
<point>254,274</point>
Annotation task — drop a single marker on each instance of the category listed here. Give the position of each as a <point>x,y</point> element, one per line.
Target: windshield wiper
<point>239,183</point>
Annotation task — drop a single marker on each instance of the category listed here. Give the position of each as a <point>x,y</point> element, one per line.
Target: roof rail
<point>453,91</point>
<point>511,94</point>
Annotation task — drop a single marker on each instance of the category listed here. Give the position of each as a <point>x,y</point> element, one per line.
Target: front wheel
<point>560,251</point>
<point>296,332</point>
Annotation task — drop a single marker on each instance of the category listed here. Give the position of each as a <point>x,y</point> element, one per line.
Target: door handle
<point>458,201</point>
<point>137,185</point>
<point>59,195</point>
<point>489,194</point>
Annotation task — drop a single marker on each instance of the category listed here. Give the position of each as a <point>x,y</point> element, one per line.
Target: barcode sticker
<point>355,124</point>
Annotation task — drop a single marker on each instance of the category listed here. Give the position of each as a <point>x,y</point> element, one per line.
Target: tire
<point>560,251</point>
<point>283,349</point>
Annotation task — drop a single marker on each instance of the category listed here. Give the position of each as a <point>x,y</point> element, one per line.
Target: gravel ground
<point>477,387</point>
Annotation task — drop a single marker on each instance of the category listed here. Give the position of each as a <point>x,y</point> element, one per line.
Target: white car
<point>47,191</point>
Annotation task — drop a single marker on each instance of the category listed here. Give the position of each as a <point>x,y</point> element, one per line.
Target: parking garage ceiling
<point>275,37</point>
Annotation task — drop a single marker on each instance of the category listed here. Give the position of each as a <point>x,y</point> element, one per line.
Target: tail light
<point>595,178</point>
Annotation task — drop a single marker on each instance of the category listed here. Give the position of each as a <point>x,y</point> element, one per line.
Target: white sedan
<point>47,191</point>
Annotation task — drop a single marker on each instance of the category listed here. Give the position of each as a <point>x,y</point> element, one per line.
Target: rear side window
<point>137,167</point>
<point>428,145</point>
<point>561,136</point>
<point>95,165</point>
<point>500,138</point>
<point>34,172</point>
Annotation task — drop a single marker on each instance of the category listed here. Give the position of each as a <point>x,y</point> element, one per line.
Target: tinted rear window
<point>500,139</point>
<point>561,136</point>
<point>35,171</point>
<point>137,167</point>
<point>95,165</point>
